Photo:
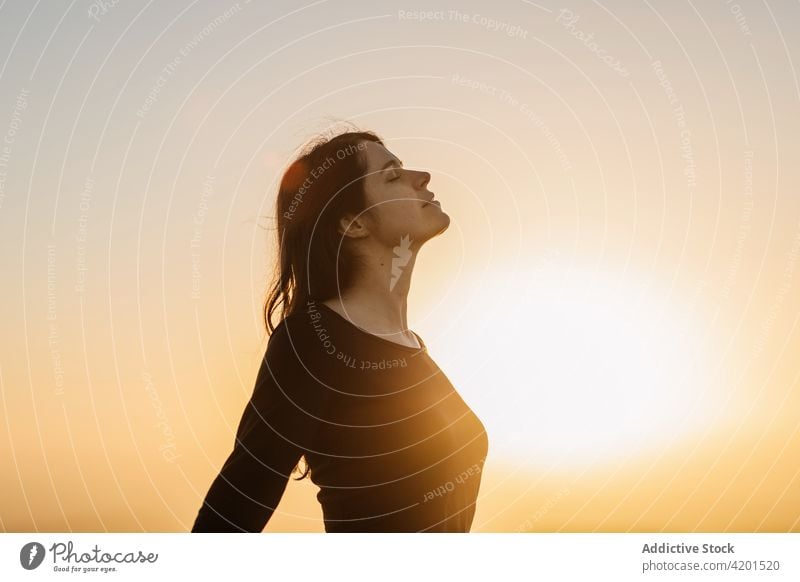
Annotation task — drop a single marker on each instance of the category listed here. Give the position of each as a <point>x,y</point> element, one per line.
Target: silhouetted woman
<point>344,382</point>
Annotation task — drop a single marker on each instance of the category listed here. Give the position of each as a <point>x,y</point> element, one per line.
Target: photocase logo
<point>402,256</point>
<point>31,555</point>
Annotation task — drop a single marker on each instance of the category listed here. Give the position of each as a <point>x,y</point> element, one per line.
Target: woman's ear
<point>353,226</point>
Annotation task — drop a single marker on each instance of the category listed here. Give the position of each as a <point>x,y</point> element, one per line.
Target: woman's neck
<point>377,301</point>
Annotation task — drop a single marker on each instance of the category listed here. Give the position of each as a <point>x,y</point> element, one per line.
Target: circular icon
<point>31,555</point>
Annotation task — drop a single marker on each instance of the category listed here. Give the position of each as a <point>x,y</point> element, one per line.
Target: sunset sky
<point>617,297</point>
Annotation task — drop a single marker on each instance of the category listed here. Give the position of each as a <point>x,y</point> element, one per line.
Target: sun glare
<point>569,367</point>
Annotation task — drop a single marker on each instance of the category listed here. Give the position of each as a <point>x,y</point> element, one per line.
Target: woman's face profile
<point>398,201</point>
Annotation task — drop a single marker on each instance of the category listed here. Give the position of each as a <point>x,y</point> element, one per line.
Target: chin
<point>432,227</point>
<point>441,225</point>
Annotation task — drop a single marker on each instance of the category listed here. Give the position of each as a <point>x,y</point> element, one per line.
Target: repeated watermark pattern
<point>780,296</point>
<point>690,168</point>
<point>53,336</point>
<point>472,18</point>
<point>197,234</point>
<point>450,485</point>
<point>168,71</point>
<point>20,105</point>
<point>81,234</point>
<point>100,8</point>
<point>543,510</point>
<point>347,360</point>
<point>739,17</point>
<point>744,225</point>
<point>568,19</point>
<point>315,173</point>
<point>527,112</point>
<point>168,448</point>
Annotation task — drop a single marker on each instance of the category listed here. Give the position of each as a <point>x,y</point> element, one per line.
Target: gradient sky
<point>617,297</point>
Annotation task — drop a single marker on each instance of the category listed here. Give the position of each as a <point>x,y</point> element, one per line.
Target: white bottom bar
<point>354,557</point>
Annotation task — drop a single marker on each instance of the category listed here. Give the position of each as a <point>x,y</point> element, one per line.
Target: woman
<point>344,383</point>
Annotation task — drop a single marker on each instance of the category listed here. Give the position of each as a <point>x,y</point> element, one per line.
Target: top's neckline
<point>422,347</point>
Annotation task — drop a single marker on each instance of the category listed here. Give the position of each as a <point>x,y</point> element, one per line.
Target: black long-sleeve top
<point>389,442</point>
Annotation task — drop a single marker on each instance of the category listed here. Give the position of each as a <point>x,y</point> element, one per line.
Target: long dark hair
<point>322,184</point>
<point>317,188</point>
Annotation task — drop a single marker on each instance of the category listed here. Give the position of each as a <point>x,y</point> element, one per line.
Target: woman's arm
<point>276,427</point>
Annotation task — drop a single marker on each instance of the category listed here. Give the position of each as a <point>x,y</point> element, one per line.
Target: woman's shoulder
<point>292,352</point>
<point>294,333</point>
<point>288,327</point>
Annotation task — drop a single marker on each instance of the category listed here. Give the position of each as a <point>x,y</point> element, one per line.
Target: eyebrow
<point>392,163</point>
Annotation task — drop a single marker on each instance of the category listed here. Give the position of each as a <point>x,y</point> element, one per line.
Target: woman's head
<point>397,205</point>
<point>344,196</point>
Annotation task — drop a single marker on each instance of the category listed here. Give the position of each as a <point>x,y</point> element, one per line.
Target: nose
<point>423,179</point>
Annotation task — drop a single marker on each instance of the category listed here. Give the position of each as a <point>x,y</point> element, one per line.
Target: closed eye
<point>398,165</point>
